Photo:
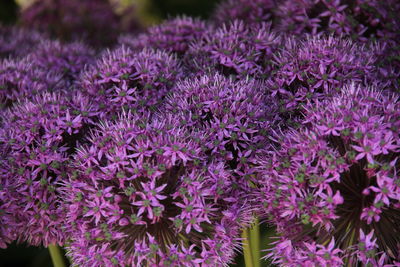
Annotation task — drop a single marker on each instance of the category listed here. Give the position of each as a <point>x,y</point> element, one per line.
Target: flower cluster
<point>162,147</point>
<point>20,79</point>
<point>141,197</point>
<point>127,80</point>
<point>36,141</point>
<point>66,59</point>
<point>173,35</point>
<point>316,68</point>
<point>16,42</point>
<point>231,119</point>
<point>251,12</point>
<point>235,49</point>
<point>359,19</point>
<point>336,181</point>
<point>91,20</point>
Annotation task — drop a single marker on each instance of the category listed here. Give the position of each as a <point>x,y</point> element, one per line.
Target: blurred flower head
<point>67,59</point>
<point>173,35</point>
<point>17,42</point>
<point>93,21</point>
<point>251,12</point>
<point>36,140</point>
<point>21,79</point>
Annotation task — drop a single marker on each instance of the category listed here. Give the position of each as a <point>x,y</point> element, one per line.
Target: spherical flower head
<point>359,19</point>
<point>18,42</point>
<point>230,119</point>
<point>36,140</point>
<point>20,79</point>
<point>338,178</point>
<point>251,12</point>
<point>316,68</point>
<point>126,80</point>
<point>235,49</point>
<point>93,20</point>
<point>141,196</point>
<point>173,35</point>
<point>68,59</point>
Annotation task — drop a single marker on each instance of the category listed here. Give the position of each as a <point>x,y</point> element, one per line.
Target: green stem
<point>56,256</point>
<point>255,243</point>
<point>248,257</point>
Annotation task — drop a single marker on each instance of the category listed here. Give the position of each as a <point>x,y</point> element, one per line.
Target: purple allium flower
<point>18,42</point>
<point>250,12</point>
<point>123,80</point>
<point>67,59</point>
<point>358,19</point>
<point>173,35</point>
<point>235,49</point>
<point>141,196</point>
<point>91,20</point>
<point>230,119</point>
<point>317,68</point>
<point>337,181</point>
<point>36,140</point>
<point>20,79</point>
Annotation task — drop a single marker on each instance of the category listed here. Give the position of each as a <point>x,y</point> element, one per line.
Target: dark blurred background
<point>155,10</point>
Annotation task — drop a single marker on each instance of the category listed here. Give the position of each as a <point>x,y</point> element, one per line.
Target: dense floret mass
<point>127,80</point>
<point>173,35</point>
<point>317,68</point>
<point>142,197</point>
<point>231,119</point>
<point>36,140</point>
<point>337,181</point>
<point>235,49</point>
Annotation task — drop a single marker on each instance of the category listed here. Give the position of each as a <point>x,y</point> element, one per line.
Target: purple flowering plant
<point>72,20</point>
<point>230,119</point>
<point>332,188</point>
<point>36,140</point>
<point>143,194</point>
<point>167,146</point>
<point>173,35</point>
<point>16,42</point>
<point>67,59</point>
